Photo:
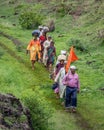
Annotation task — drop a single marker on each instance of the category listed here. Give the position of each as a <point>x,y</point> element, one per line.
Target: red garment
<point>42,38</point>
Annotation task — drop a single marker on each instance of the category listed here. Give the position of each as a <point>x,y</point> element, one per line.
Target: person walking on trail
<point>58,79</point>
<point>34,48</point>
<point>71,80</point>
<point>42,39</point>
<point>51,53</point>
<point>63,53</point>
<point>59,65</point>
<point>46,44</point>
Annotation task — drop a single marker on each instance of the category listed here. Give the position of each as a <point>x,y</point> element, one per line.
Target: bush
<point>39,108</point>
<point>77,43</point>
<point>12,1</point>
<point>30,18</point>
<point>19,8</point>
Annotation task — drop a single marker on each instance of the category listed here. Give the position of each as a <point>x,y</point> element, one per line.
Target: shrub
<point>19,8</point>
<point>30,18</point>
<point>39,108</point>
<point>64,8</point>
<point>77,43</point>
<point>12,1</point>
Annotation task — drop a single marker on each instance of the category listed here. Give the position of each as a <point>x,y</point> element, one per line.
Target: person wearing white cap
<point>71,80</point>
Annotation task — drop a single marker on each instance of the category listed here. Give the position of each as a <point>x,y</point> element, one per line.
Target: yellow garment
<point>34,47</point>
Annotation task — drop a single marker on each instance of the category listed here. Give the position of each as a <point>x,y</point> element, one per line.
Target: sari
<point>51,55</point>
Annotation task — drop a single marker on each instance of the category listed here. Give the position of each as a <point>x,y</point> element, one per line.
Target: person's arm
<point>64,81</point>
<point>27,51</point>
<point>39,46</point>
<point>44,44</point>
<point>55,53</point>
<point>28,47</point>
<point>57,76</point>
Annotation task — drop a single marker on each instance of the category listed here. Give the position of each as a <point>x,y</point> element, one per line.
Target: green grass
<point>16,77</point>
<point>17,81</point>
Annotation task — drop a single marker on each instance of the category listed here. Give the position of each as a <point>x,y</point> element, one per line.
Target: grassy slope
<point>90,104</point>
<point>17,81</point>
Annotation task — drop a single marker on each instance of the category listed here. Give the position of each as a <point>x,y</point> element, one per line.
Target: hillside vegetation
<point>77,22</point>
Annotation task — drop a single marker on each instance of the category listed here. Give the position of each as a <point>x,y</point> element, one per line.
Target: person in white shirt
<point>46,44</point>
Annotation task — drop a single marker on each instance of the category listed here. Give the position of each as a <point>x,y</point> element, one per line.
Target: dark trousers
<point>71,97</point>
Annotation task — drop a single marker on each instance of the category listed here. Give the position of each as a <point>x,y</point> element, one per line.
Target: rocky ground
<point>13,115</point>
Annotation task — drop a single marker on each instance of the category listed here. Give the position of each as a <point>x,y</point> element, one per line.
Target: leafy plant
<point>12,1</point>
<point>39,108</point>
<point>30,18</point>
<point>9,121</point>
<point>77,43</point>
<point>23,118</point>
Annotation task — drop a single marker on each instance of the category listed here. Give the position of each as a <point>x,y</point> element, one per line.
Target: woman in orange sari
<point>34,48</point>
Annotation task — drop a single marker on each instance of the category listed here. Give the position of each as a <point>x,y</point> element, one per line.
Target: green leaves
<point>30,18</point>
<point>40,110</point>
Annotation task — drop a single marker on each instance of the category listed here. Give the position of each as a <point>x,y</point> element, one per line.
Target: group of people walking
<point>42,48</point>
<point>66,85</point>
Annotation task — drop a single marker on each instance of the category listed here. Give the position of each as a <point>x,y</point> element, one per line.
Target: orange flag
<point>71,58</point>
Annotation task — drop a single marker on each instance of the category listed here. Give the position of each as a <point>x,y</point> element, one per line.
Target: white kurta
<point>59,78</point>
<point>46,44</point>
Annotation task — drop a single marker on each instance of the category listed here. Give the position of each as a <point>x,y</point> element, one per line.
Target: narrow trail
<point>14,40</point>
<point>80,121</point>
<point>13,54</point>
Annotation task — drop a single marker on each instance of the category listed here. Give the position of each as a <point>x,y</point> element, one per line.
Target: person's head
<point>52,43</point>
<point>72,69</point>
<point>49,37</point>
<point>35,35</point>
<point>61,61</point>
<point>44,33</point>
<point>40,28</point>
